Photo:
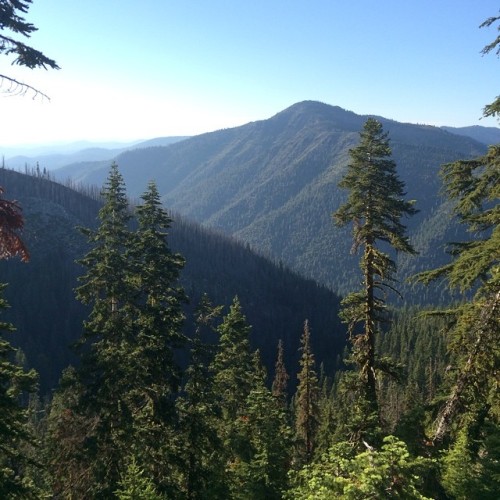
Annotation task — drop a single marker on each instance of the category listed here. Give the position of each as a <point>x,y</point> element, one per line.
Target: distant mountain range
<point>55,156</point>
<point>486,135</point>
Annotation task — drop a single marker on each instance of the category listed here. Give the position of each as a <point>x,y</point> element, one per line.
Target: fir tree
<point>474,186</point>
<point>280,383</point>
<point>306,401</point>
<point>203,465</point>
<point>260,468</point>
<point>375,206</point>
<point>13,418</point>
<point>134,485</point>
<point>232,364</point>
<point>107,371</point>
<point>158,323</point>
<point>234,378</point>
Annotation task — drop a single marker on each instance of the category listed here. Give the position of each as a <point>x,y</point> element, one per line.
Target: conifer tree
<point>474,188</point>
<point>14,380</point>
<point>158,320</point>
<point>128,372</point>
<point>234,378</point>
<point>203,465</point>
<point>156,275</point>
<point>280,383</point>
<point>261,466</point>
<point>306,401</point>
<point>232,365</point>
<point>107,371</point>
<point>375,206</point>
<point>135,485</point>
<point>12,20</point>
<point>69,429</point>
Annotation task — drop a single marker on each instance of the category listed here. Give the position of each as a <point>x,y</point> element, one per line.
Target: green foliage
<point>69,432</point>
<point>374,206</point>
<point>279,387</point>
<point>134,485</point>
<point>306,401</point>
<point>474,186</point>
<point>341,473</point>
<point>492,109</point>
<point>198,412</point>
<point>471,466</point>
<point>14,433</point>
<point>259,471</point>
<point>128,375</point>
<point>232,364</point>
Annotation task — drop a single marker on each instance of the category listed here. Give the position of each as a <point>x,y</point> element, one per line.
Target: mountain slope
<point>273,184</point>
<point>48,318</point>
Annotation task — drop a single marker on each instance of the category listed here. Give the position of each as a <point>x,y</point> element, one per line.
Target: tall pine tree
<point>110,333</point>
<point>375,206</point>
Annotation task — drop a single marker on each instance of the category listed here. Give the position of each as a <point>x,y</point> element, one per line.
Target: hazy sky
<point>136,70</point>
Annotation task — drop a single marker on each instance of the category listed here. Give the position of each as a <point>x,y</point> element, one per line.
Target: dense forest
<point>168,396</point>
<point>198,369</point>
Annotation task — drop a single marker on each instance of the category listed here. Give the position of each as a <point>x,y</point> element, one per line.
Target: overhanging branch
<point>11,86</point>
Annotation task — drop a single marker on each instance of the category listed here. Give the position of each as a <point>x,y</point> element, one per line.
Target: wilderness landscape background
<point>272,184</point>
<point>236,314</point>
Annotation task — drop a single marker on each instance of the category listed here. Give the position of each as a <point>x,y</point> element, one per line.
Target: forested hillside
<point>273,184</point>
<point>49,319</point>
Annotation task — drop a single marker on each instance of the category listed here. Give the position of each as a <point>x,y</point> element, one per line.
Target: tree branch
<point>15,87</point>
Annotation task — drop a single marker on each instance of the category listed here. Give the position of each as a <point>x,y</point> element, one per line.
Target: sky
<point>133,70</point>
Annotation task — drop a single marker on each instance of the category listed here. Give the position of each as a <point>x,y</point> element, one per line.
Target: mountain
<point>55,157</point>
<point>486,135</point>
<point>275,300</point>
<point>273,184</point>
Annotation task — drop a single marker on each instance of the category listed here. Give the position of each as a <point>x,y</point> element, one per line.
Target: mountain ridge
<point>273,184</point>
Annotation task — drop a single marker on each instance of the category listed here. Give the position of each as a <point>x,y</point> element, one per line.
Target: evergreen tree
<point>11,12</point>
<point>156,276</point>
<point>390,472</point>
<point>232,364</point>
<point>158,323</point>
<point>280,383</point>
<point>128,371</point>
<point>203,459</point>
<point>234,378</point>
<point>134,485</point>
<point>107,371</point>
<point>69,432</point>
<point>492,109</point>
<point>306,401</point>
<point>327,415</point>
<point>375,206</point>
<point>261,466</point>
<point>474,186</point>
<point>13,418</point>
